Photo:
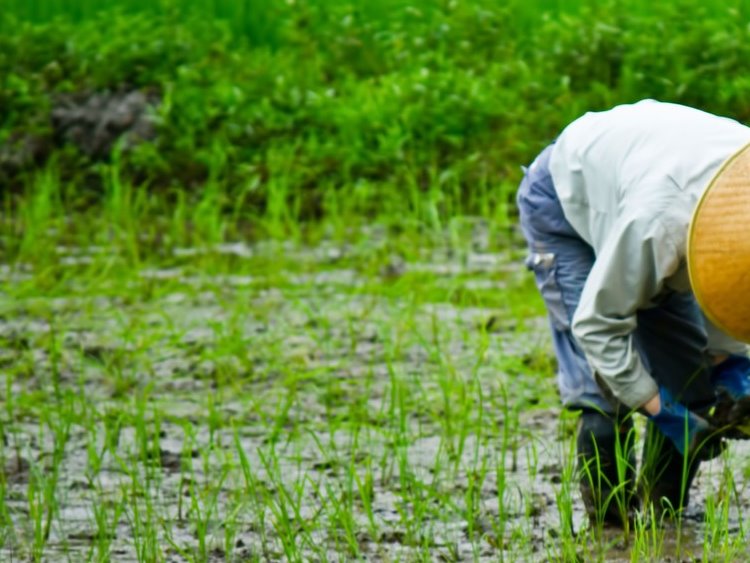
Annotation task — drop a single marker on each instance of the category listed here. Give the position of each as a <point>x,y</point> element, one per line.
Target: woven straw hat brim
<point>718,249</point>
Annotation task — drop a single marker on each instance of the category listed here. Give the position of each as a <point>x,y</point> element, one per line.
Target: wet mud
<point>307,412</point>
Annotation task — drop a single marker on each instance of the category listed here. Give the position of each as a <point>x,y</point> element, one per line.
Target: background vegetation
<point>304,109</point>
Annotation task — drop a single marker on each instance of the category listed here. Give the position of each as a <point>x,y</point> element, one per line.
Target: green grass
<point>292,401</point>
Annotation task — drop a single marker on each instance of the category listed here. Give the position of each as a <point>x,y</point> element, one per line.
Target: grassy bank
<point>307,110</point>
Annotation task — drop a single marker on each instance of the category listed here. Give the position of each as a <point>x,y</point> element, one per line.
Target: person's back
<point>643,157</point>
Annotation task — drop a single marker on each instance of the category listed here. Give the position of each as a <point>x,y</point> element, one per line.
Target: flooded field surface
<point>333,402</point>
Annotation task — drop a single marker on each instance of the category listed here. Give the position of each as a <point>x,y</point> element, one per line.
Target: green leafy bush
<point>313,100</point>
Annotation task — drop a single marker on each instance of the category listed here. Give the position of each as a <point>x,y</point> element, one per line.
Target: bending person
<point>636,221</point>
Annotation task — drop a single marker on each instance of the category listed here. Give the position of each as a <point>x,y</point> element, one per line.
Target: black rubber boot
<point>606,465</point>
<point>665,476</point>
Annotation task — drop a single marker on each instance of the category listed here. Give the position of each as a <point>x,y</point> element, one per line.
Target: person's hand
<point>690,433</point>
<point>732,376</point>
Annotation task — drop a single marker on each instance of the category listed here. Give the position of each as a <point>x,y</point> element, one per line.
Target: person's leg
<point>561,262</point>
<point>605,448</point>
<point>672,341</point>
<point>666,476</point>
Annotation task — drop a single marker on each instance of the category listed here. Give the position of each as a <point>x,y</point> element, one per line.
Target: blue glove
<point>684,428</point>
<point>732,376</point>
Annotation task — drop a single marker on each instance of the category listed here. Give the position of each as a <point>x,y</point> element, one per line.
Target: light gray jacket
<point>628,180</point>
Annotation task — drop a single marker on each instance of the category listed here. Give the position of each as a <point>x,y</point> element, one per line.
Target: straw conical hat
<point>718,251</point>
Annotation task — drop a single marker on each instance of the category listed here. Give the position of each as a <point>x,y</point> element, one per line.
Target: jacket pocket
<point>544,266</point>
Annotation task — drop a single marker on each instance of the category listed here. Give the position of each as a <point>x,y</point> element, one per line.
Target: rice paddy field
<point>262,293</point>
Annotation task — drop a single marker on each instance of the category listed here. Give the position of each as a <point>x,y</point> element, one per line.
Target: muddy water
<point>320,370</point>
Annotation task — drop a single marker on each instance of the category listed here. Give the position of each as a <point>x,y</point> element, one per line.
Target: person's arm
<point>629,271</point>
<point>653,405</point>
<point>730,372</point>
<point>720,344</point>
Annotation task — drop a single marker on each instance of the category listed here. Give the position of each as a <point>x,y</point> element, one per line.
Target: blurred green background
<point>265,116</point>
